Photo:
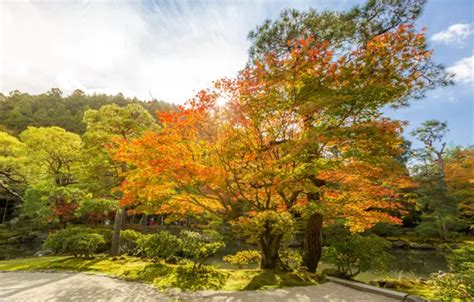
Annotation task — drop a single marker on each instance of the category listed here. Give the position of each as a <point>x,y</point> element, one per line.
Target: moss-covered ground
<point>163,275</point>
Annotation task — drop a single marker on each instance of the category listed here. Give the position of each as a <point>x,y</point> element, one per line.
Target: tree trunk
<point>313,242</point>
<point>270,246</point>
<point>5,211</point>
<point>114,251</point>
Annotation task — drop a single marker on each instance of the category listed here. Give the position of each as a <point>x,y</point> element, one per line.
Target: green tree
<point>355,26</point>
<point>12,170</point>
<point>439,208</point>
<point>355,253</point>
<point>107,127</point>
<point>53,161</point>
<point>53,154</point>
<point>460,181</point>
<point>19,110</point>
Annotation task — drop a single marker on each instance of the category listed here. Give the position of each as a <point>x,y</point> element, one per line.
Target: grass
<point>164,275</point>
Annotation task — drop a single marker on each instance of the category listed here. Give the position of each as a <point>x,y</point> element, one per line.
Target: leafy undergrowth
<point>164,275</point>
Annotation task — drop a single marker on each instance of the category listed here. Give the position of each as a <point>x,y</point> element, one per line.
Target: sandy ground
<point>36,286</point>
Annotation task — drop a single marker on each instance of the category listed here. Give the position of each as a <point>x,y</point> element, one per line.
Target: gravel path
<point>36,286</point>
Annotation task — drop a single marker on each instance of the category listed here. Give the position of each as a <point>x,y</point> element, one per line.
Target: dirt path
<point>32,287</point>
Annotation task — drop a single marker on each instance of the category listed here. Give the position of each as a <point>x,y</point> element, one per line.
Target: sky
<point>170,49</point>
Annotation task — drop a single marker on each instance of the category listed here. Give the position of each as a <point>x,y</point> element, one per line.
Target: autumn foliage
<point>298,133</point>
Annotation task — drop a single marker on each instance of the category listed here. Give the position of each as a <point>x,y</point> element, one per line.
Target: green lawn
<point>165,275</point>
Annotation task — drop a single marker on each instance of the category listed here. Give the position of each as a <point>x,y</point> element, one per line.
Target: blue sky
<point>171,49</point>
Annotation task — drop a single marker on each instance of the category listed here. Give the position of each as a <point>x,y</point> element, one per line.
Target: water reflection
<point>409,263</point>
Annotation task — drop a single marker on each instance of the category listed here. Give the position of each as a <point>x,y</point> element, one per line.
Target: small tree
<point>352,254</point>
<point>440,213</point>
<point>102,174</point>
<point>95,209</point>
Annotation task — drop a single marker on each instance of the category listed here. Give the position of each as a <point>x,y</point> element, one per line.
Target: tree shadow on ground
<point>74,264</point>
<point>152,271</point>
<point>196,279</point>
<point>185,277</point>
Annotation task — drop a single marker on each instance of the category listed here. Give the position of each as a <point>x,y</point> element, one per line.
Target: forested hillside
<point>19,110</point>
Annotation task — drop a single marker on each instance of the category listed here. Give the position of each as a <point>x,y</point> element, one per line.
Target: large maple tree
<point>300,133</point>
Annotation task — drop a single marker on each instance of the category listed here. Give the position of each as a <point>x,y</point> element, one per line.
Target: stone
<point>44,253</point>
<point>400,244</point>
<point>422,246</point>
<point>410,298</point>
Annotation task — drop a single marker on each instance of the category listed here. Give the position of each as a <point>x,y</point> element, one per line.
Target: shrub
<point>129,242</point>
<point>459,283</point>
<point>243,258</point>
<point>75,241</point>
<point>462,259</point>
<point>107,234</point>
<point>355,253</point>
<point>161,245</point>
<point>200,246</point>
<point>452,286</point>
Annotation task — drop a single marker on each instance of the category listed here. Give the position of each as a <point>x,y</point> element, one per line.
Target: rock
<point>375,282</point>
<point>173,291</point>
<point>14,240</point>
<point>383,283</point>
<point>421,246</point>
<point>400,244</point>
<point>44,253</point>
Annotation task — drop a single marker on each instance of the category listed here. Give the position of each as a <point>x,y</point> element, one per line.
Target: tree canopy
<point>19,110</point>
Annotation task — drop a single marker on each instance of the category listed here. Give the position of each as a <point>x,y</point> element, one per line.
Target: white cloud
<point>169,49</point>
<point>100,47</point>
<point>455,34</point>
<point>463,70</point>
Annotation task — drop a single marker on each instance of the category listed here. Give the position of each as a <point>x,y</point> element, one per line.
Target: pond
<point>407,263</point>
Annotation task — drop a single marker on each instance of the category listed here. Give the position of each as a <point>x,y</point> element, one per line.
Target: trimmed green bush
<point>161,245</point>
<point>75,241</point>
<point>129,242</point>
<point>107,234</point>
